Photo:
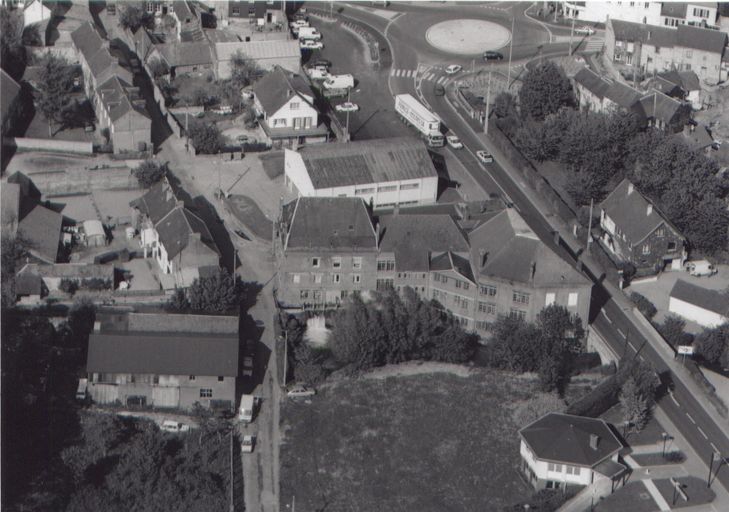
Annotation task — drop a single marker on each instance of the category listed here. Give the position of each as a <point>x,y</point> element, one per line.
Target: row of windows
<point>557,468</point>
<point>444,279</point>
<point>520,297</point>
<point>334,278</point>
<point>405,275</point>
<point>385,188</point>
<point>337,262</point>
<point>193,377</point>
<point>316,295</point>
<point>385,284</point>
<point>487,307</point>
<point>385,265</point>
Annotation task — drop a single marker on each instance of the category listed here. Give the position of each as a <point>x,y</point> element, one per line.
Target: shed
<point>95,234</point>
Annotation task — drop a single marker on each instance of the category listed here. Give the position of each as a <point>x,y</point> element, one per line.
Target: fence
<point>50,145</point>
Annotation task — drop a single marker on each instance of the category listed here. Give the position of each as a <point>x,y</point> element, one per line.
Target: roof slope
<point>629,210</point>
<point>368,161</point>
<point>10,89</point>
<point>273,49</point>
<point>172,354</point>
<point>701,38</point>
<point>565,438</point>
<point>192,53</point>
<point>506,248</point>
<point>659,106</point>
<point>591,81</point>
<point>329,223</point>
<point>41,228</point>
<point>711,300</point>
<point>119,99</point>
<point>685,36</point>
<point>277,86</point>
<point>412,238</point>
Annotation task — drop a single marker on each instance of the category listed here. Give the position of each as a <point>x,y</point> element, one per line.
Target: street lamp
<point>664,436</point>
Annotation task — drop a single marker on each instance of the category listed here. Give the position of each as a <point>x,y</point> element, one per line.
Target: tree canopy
<point>206,137</point>
<point>150,172</point>
<point>713,345</point>
<point>217,293</point>
<point>54,89</point>
<point>12,55</point>
<point>545,89</point>
<point>132,17</point>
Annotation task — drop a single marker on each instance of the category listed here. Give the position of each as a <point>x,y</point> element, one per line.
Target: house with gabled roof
<point>185,57</point>
<point>384,172</point>
<point>266,54</point>
<point>120,108</point>
<point>708,308</point>
<point>560,450</point>
<point>284,102</point>
<point>176,237</point>
<point>636,232</point>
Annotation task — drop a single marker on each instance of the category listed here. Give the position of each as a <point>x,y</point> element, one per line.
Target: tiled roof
<point>118,98</point>
<point>369,161</point>
<point>659,106</point>
<point>329,223</point>
<point>70,270</point>
<point>41,228</point>
<point>160,354</point>
<point>619,93</point>
<point>629,212</point>
<point>454,262</point>
<point>87,40</point>
<point>504,247</point>
<point>697,139</point>
<point>701,38</point>
<point>684,36</point>
<point>622,94</point>
<point>413,238</point>
<point>711,300</point>
<point>564,438</point>
<point>186,53</point>
<point>673,9</point>
<point>592,82</point>
<point>10,89</point>
<point>258,50</point>
<point>277,86</point>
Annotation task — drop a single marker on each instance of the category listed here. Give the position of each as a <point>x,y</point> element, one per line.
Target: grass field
<point>431,442</point>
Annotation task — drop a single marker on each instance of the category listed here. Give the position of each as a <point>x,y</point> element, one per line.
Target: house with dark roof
<point>188,26</point>
<point>651,48</point>
<point>284,102</point>
<point>326,250</point>
<point>600,94</point>
<point>10,103</point>
<point>696,137</point>
<point>184,57</point>
<point>700,14</point>
<point>636,232</point>
<point>267,54</point>
<point>559,450</point>
<point>708,308</point>
<point>163,369</point>
<point>85,275</point>
<point>384,172</point>
<point>682,85</point>
<point>176,237</point>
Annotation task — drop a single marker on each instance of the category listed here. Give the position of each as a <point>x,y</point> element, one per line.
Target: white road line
<point>670,393</point>
<point>393,71</point>
<point>397,72</point>
<point>442,80</point>
<point>632,346</point>
<point>702,433</point>
<point>714,447</point>
<point>607,317</point>
<point>621,333</point>
<point>411,73</point>
<point>690,418</point>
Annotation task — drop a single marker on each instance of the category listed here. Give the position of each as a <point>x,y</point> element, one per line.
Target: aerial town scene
<point>278,256</point>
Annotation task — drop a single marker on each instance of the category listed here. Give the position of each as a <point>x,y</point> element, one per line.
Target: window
<point>387,188</point>
<point>316,295</point>
<point>487,307</point>
<point>356,278</point>
<point>460,301</point>
<point>363,191</point>
<point>517,314</point>
<point>409,186</point>
<point>571,470</point>
<point>572,299</point>
<point>317,278</point>
<point>551,298</point>
<point>689,53</point>
<point>646,249</point>
<point>296,278</point>
<point>294,105</point>
<point>557,468</point>
<point>385,265</point>
<point>206,393</point>
<point>647,5</point>
<point>192,377</point>
<point>465,286</point>
<point>343,294</point>
<point>459,284</point>
<point>632,4</point>
<point>488,290</point>
<point>336,278</point>
<point>221,378</point>
<point>437,294</point>
<point>660,232</point>
<point>279,122</point>
<point>520,297</point>
<point>155,379</point>
<point>304,294</point>
<point>357,262</point>
<point>482,325</point>
<point>336,262</point>
<point>671,246</point>
<point>384,284</point>
<point>436,277</point>
<point>236,11</point>
<point>315,262</point>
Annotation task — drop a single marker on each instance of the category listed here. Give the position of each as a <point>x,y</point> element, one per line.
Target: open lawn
<point>430,442</point>
<point>273,164</point>
<point>650,434</point>
<point>633,497</point>
<point>695,489</point>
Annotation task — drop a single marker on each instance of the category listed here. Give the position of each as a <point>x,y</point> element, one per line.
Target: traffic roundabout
<point>467,36</point>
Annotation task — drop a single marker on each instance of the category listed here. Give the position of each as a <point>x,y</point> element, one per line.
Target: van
<point>82,389</point>
<point>245,411</point>
<point>223,110</point>
<point>174,426</point>
<point>339,82</point>
<point>309,33</point>
<point>700,268</point>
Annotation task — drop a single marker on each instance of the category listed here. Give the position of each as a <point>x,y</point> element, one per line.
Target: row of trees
<point>713,345</point>
<point>217,293</point>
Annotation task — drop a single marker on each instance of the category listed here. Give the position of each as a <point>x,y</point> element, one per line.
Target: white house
<point>385,172</point>
<point>708,308</point>
<point>35,12</point>
<point>561,449</point>
<point>674,14</point>
<point>669,14</point>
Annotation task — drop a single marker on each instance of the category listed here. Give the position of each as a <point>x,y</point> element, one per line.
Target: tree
<point>206,138</point>
<point>673,330</point>
<point>712,344</point>
<point>12,56</point>
<point>636,409</point>
<point>133,17</point>
<point>214,294</point>
<point>54,88</point>
<point>538,141</point>
<point>243,70</point>
<point>545,89</point>
<point>11,252</point>
<point>505,105</point>
<point>150,172</point>
<point>178,301</point>
<point>644,305</point>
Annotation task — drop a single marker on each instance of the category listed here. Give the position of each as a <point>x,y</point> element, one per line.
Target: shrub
<point>69,286</point>
<point>96,283</point>
<point>644,305</point>
<point>149,172</point>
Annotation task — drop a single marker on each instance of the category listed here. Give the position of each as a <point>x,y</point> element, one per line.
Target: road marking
<point>606,317</point>
<point>690,418</point>
<point>714,447</point>
<point>443,80</point>
<point>670,393</point>
<point>411,73</point>
<point>622,334</point>
<point>632,346</point>
<point>702,433</point>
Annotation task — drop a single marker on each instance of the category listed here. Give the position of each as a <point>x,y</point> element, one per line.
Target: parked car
<point>82,389</point>
<point>454,141</point>
<point>223,110</point>
<point>88,127</point>
<point>247,444</point>
<point>247,408</point>
<point>484,157</point>
<point>491,55</point>
<point>246,139</point>
<point>174,426</point>
<point>299,391</point>
<point>311,45</point>
<point>318,73</point>
<point>453,69</point>
<point>700,268</point>
<point>299,23</point>
<point>585,30</point>
<point>323,62</point>
<point>347,106</point>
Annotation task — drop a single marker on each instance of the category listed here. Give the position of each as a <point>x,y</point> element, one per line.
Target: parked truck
<point>427,123</point>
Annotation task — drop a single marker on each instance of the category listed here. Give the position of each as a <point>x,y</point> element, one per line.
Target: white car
<point>299,23</point>
<point>484,157</point>
<point>453,69</point>
<point>347,106</point>
<point>454,142</point>
<point>299,390</point>
<point>585,30</point>
<point>318,73</point>
<point>247,444</point>
<point>174,426</point>
<point>308,44</point>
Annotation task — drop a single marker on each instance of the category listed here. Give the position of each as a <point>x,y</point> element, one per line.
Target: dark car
<point>323,62</point>
<point>489,55</point>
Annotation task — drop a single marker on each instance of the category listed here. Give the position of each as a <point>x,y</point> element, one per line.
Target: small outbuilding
<point>707,308</point>
<point>94,233</point>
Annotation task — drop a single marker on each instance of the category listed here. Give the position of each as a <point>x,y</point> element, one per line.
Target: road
<point>609,319</point>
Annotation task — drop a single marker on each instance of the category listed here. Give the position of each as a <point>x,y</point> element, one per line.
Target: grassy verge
<point>695,489</point>
<point>657,459</point>
<point>428,442</point>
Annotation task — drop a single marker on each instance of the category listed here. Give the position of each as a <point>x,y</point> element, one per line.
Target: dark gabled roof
<point>704,39</point>
<point>182,10</point>
<point>87,40</point>
<point>565,439</point>
<point>697,139</point>
<point>28,283</point>
<point>711,300</point>
<point>684,36</point>
<point>192,53</point>
<point>659,106</point>
<point>627,207</point>
<point>163,354</point>
<point>664,85</point>
<point>22,196</point>
<point>119,99</point>
<point>512,252</point>
<point>10,90</point>
<point>41,229</point>
<point>329,223</point>
<point>592,82</point>
<point>412,238</point>
<point>453,262</point>
<point>622,94</point>
<point>686,80</point>
<point>277,86</point>
<point>158,201</point>
<point>367,161</point>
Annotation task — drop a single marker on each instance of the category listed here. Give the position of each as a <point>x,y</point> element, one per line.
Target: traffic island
<point>469,37</point>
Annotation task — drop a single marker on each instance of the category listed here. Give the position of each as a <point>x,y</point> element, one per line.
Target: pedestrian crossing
<point>594,45</point>
<point>428,76</point>
<point>403,73</point>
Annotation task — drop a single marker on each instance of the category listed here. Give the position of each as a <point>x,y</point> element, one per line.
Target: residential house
<point>636,232</point>
<point>161,369</point>
<point>702,14</point>
<point>257,12</point>
<point>177,238</point>
<point>708,308</point>
<point>120,109</point>
<point>327,249</point>
<point>600,94</point>
<point>267,55</point>
<point>285,103</point>
<point>188,26</point>
<point>267,13</point>
<point>85,275</point>
<point>651,48</point>
<point>668,14</point>
<point>696,137</point>
<point>185,57</point>
<point>10,103</point>
<point>383,172</point>
<point>683,85</point>
<point>665,113</point>
<point>36,12</point>
<point>97,63</point>
<point>560,450</point>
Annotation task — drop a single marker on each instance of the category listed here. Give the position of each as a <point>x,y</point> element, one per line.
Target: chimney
<point>594,441</point>
<point>631,187</point>
<point>482,257</point>
<point>377,232</point>
<point>649,209</point>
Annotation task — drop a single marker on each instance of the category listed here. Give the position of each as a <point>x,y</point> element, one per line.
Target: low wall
<point>50,145</point>
<point>83,181</point>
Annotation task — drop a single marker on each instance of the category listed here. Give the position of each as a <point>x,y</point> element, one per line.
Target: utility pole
<point>348,95</point>
<point>589,228</point>
<point>286,356</point>
<point>572,33</point>
<point>511,46</point>
<point>488,106</point>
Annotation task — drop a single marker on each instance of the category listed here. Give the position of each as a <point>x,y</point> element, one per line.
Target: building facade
<point>708,308</point>
<point>668,14</point>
